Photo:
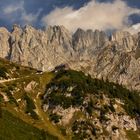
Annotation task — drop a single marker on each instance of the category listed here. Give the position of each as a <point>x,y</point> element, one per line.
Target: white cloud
<point>93,15</point>
<point>12,10</point>
<point>134,29</point>
<point>30,18</point>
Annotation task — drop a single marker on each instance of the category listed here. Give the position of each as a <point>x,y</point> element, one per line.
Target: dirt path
<point>8,80</point>
<point>52,129</point>
<point>12,79</point>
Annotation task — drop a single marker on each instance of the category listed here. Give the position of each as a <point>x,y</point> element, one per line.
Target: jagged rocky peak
<point>60,28</point>
<point>100,37</point>
<point>28,46</point>
<point>4,30</point>
<point>4,34</point>
<point>16,31</point>
<point>137,54</point>
<point>80,32</point>
<point>60,42</point>
<point>81,35</point>
<point>119,35</point>
<point>41,49</point>
<point>27,35</point>
<point>138,40</point>
<point>16,27</point>
<point>83,39</point>
<point>15,34</point>
<point>28,27</point>
<point>4,42</point>
<point>58,34</point>
<point>124,40</point>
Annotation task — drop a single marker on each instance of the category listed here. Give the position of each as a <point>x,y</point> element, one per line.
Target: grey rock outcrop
<point>116,58</point>
<point>124,41</point>
<point>41,49</point>
<point>4,42</point>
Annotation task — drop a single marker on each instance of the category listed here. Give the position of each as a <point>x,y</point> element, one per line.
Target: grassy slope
<point>44,79</point>
<point>131,135</point>
<point>12,128</point>
<point>26,75</point>
<point>13,70</point>
<point>43,122</point>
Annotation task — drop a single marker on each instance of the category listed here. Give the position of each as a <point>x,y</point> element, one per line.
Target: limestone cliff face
<point>88,43</point>
<point>40,49</point>
<point>4,42</point>
<point>124,41</point>
<point>115,58</point>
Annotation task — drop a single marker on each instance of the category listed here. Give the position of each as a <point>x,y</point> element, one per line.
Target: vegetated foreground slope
<point>65,105</point>
<point>87,108</point>
<point>12,71</point>
<point>13,128</point>
<point>20,105</point>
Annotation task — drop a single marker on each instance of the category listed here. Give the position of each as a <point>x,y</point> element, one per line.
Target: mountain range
<point>115,57</point>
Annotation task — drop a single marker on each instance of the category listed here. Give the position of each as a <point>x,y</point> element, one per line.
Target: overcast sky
<point>99,14</point>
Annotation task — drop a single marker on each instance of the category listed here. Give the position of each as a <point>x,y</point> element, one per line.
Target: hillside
<point>13,128</point>
<point>20,104</point>
<point>10,70</point>
<point>65,105</point>
<point>89,108</point>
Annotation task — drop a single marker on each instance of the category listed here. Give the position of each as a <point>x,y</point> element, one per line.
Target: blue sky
<point>37,12</point>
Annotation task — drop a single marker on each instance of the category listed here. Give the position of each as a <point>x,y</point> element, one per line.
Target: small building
<point>61,67</point>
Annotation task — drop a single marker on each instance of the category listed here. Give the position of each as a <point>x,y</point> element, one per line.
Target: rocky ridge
<point>115,58</point>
